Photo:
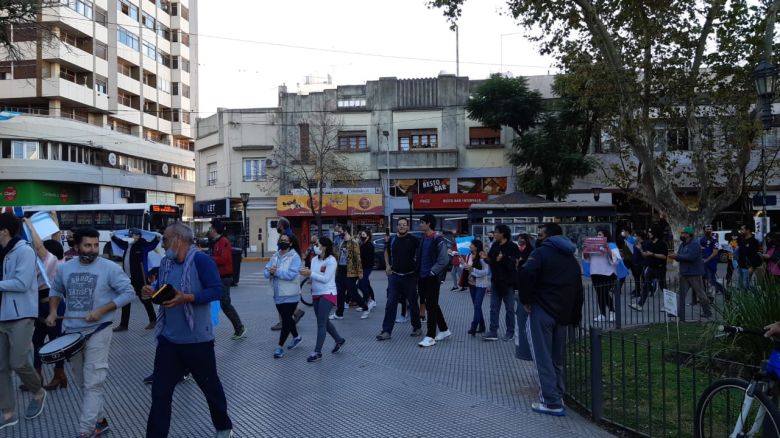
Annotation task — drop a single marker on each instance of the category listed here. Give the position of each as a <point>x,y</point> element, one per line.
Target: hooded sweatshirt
<point>552,280</point>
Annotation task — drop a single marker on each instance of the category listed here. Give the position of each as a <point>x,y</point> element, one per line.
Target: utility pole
<point>457,52</point>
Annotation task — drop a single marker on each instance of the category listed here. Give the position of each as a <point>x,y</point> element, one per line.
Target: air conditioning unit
<point>124,193</point>
<point>271,163</point>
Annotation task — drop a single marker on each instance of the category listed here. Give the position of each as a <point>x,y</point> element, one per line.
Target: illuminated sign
<point>165,209</point>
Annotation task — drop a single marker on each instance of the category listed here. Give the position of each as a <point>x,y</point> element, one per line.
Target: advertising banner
<point>365,205</point>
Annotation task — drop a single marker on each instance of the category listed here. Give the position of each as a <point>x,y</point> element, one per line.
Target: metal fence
<point>646,388</point>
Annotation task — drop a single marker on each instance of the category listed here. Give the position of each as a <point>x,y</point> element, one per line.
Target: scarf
<point>165,269</point>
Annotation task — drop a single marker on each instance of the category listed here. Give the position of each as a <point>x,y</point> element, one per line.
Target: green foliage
<point>502,101</point>
<point>753,308</point>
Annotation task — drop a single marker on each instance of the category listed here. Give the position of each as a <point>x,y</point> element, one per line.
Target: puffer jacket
<point>19,288</point>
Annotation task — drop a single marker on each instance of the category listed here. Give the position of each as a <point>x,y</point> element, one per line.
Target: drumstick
<point>71,317</point>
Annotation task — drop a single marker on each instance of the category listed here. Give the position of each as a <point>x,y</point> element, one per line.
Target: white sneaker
<point>443,335</point>
<point>334,316</point>
<point>365,314</point>
<point>600,318</point>
<point>358,309</point>
<point>371,305</point>
<point>402,319</point>
<point>427,342</point>
<point>611,316</point>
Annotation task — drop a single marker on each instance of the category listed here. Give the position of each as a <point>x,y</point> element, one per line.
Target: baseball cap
<point>688,230</point>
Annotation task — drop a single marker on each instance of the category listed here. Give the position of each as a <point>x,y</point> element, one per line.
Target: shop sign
<point>365,205</point>
<point>38,193</point>
<point>448,200</point>
<point>299,205</point>
<point>216,208</point>
<point>494,185</point>
<point>433,185</point>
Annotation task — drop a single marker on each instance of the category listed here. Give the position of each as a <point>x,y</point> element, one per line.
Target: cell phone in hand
<point>322,269</point>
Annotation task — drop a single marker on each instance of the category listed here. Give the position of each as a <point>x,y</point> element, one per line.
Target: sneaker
<point>508,337</point>
<point>151,325</point>
<point>358,309</point>
<point>600,318</point>
<point>402,319</point>
<point>490,337</point>
<point>427,342</point>
<point>297,315</point>
<point>120,328</point>
<point>541,408</point>
<point>239,334</point>
<point>35,407</point>
<point>101,427</point>
<point>338,346</point>
<point>228,433</point>
<point>13,421</point>
<point>415,333</point>
<point>278,326</point>
<point>149,379</point>
<point>635,306</point>
<point>365,314</point>
<point>278,353</point>
<point>454,288</point>
<point>314,357</point>
<point>185,377</point>
<point>371,305</point>
<point>463,289</point>
<point>611,316</point>
<point>443,335</point>
<point>295,342</point>
<point>383,336</point>
<point>334,316</point>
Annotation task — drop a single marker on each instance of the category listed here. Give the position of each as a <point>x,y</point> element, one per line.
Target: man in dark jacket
<point>502,258</point>
<point>691,272</point>
<point>135,263</point>
<point>222,254</point>
<point>432,260</point>
<point>551,292</point>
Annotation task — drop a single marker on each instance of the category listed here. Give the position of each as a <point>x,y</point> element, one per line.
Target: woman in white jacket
<point>603,267</point>
<point>282,270</point>
<point>323,291</point>
<point>479,281</point>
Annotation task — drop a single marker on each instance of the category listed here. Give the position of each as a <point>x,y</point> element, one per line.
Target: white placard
<point>670,302</point>
<point>44,225</point>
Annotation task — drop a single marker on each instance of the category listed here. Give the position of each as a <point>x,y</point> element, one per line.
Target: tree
<point>662,73</point>
<point>548,143</point>
<point>22,14</point>
<point>310,156</point>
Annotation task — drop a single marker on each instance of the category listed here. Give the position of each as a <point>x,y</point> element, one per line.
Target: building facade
<point>105,96</point>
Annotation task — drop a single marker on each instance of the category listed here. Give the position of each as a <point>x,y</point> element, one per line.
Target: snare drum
<point>64,347</point>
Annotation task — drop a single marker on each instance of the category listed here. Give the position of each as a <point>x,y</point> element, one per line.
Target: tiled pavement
<point>461,387</point>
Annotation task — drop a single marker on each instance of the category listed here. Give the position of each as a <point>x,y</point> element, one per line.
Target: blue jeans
<point>744,278</point>
<point>404,287</point>
<point>477,295</point>
<point>713,279</point>
<point>455,274</point>
<point>365,286</point>
<point>322,311</point>
<point>502,294</point>
<point>547,340</point>
<point>170,362</point>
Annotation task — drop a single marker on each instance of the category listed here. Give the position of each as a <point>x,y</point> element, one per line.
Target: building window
<point>417,139</point>
<point>352,140</point>
<point>164,86</point>
<point>163,32</point>
<point>185,90</point>
<point>148,21</point>
<point>185,13</point>
<point>127,9</point>
<point>174,9</point>
<point>482,136</point>
<point>101,17</point>
<point>101,50</point>
<point>185,65</point>
<point>127,38</point>
<point>254,169</point>
<point>101,86</point>
<point>124,98</point>
<point>150,51</point>
<point>150,79</point>
<point>211,174</point>
<point>83,7</point>
<point>24,32</point>
<point>352,102</point>
<point>125,68</point>
<point>24,150</point>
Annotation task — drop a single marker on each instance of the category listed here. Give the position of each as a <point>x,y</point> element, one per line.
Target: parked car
<point>379,246</point>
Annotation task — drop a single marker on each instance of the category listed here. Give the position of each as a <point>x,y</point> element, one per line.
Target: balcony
<point>419,159</point>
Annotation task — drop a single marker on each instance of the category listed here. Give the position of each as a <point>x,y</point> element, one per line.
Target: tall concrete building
<point>105,104</point>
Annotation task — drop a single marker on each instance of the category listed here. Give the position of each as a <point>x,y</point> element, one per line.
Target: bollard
<point>596,391</point>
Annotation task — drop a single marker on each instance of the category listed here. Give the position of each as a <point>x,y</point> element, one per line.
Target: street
<point>460,387</point>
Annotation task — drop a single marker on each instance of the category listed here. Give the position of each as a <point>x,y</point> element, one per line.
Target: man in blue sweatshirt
<point>185,335</point>
<point>93,288</point>
<point>691,272</point>
<point>550,286</point>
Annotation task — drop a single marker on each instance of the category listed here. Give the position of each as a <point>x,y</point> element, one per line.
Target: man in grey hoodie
<point>550,286</point>
<point>18,310</point>
<point>691,272</point>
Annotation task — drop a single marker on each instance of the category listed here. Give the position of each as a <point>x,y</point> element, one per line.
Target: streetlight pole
<point>765,77</point>
<point>410,198</point>
<point>386,134</point>
<point>244,201</point>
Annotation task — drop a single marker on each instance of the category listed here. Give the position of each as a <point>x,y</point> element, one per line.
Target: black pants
<point>429,286</point>
<point>170,362</point>
<point>125,320</point>
<point>42,331</point>
<point>637,273</point>
<point>604,285</point>
<point>286,311</point>
<point>346,287</point>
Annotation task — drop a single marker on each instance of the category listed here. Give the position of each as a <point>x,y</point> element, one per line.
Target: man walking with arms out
<point>185,334</point>
<point>551,292</point>
<point>432,260</point>
<point>400,252</point>
<point>18,310</point>
<point>222,253</point>
<point>93,288</point>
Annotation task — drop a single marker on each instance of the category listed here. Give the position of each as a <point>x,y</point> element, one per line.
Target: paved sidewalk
<point>460,387</point>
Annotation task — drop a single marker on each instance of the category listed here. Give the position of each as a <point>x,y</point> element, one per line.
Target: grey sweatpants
<point>90,369</point>
<point>547,340</point>
<point>15,349</point>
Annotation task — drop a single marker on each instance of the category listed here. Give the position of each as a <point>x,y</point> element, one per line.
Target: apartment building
<point>105,99</point>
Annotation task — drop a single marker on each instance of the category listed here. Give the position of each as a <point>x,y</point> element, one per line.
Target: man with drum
<point>185,334</point>
<point>18,310</point>
<point>93,288</point>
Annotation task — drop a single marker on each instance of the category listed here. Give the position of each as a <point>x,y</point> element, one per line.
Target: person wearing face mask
<point>691,272</point>
<point>136,266</point>
<point>222,253</point>
<point>284,228</point>
<point>282,271</point>
<point>92,288</point>
<point>367,260</point>
<point>348,271</point>
<point>185,332</point>
<point>709,252</point>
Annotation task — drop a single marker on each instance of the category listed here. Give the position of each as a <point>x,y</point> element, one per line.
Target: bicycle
<point>757,414</point>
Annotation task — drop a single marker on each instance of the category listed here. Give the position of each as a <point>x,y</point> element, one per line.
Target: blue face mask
<point>170,253</point>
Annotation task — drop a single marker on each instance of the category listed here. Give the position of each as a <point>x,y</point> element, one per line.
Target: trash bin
<point>237,253</point>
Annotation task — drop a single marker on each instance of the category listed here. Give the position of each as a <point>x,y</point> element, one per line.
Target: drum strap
<point>99,328</point>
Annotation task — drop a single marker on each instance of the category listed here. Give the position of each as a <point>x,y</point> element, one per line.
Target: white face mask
<point>317,250</point>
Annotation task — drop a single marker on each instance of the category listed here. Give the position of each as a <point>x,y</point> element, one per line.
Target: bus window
<point>103,220</point>
<point>120,221</point>
<point>67,220</point>
<point>84,219</point>
<point>135,221</point>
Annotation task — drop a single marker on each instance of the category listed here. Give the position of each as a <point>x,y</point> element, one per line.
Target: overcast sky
<point>248,47</point>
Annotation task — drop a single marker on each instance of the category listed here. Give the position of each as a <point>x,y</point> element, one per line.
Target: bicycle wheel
<point>720,412</point>
<point>306,292</point>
